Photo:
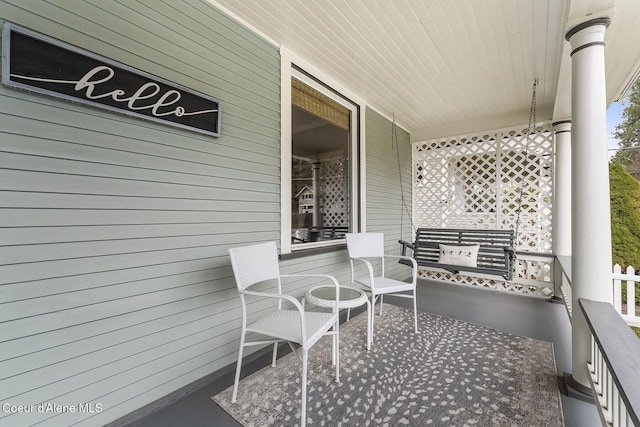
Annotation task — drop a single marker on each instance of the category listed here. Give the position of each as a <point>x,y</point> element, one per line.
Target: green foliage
<point>625,188</point>
<point>625,217</point>
<point>628,133</point>
<point>636,330</point>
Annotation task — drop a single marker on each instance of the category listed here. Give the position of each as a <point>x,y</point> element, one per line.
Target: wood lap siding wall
<point>115,284</point>
<point>385,210</point>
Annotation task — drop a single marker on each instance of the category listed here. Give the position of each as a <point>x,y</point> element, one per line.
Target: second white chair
<point>365,247</point>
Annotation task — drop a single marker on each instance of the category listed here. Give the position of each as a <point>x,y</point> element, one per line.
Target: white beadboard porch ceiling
<point>447,67</point>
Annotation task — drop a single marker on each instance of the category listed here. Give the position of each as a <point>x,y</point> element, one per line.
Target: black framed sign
<point>41,64</point>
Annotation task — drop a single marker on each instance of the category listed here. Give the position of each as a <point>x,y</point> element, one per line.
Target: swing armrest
<point>405,245</point>
<point>511,253</point>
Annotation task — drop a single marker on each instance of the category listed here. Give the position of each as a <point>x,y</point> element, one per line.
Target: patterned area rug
<point>451,373</point>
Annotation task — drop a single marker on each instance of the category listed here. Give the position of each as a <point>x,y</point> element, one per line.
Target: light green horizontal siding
<point>385,169</point>
<point>115,284</point>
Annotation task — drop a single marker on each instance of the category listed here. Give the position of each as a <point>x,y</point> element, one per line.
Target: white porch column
<point>591,225</point>
<point>562,189</point>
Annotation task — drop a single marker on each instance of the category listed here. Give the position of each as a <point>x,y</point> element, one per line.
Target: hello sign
<point>41,64</point>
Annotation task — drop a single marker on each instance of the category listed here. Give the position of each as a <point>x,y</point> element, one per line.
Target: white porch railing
<point>626,304</point>
<point>615,350</point>
<point>613,372</point>
<point>563,281</point>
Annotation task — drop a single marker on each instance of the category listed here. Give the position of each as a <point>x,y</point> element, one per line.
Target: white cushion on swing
<point>464,255</point>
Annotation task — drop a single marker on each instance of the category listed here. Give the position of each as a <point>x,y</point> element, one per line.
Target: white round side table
<point>350,297</point>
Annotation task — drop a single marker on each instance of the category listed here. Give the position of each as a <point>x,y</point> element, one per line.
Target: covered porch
<point>514,314</point>
<point>114,273</point>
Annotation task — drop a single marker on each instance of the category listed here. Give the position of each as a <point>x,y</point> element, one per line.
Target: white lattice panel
<point>476,182</point>
<point>335,191</point>
<point>527,167</point>
<point>534,270</point>
<point>532,277</point>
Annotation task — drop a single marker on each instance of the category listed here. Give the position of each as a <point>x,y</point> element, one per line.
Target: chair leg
<point>348,314</point>
<point>275,354</point>
<point>415,311</point>
<point>334,352</point>
<point>373,312</point>
<point>369,316</point>
<point>337,349</point>
<point>303,394</point>
<point>234,395</point>
<point>381,298</point>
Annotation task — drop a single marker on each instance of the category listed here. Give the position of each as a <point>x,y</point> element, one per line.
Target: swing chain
<point>531,129</point>
<point>405,207</point>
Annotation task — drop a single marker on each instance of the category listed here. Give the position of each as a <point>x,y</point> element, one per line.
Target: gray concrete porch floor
<point>515,314</point>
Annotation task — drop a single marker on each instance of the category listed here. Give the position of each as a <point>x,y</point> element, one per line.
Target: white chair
<point>365,247</point>
<point>257,264</point>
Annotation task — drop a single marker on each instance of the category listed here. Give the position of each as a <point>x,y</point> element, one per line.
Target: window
<point>323,164</point>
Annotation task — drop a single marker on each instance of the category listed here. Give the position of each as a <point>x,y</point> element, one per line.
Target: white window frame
<point>289,65</point>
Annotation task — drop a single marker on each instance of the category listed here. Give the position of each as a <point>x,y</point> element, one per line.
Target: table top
<point>324,296</point>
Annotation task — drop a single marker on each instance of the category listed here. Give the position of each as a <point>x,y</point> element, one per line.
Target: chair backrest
<point>255,263</point>
<point>365,245</point>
